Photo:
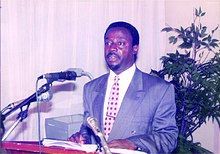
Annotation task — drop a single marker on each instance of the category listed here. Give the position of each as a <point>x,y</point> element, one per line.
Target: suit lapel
<point>132,98</point>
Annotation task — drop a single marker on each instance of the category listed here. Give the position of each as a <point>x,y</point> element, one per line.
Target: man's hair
<point>133,31</point>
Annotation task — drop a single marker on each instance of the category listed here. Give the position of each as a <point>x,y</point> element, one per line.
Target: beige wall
<point>180,13</point>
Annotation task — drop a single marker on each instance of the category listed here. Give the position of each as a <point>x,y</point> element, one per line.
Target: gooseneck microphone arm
<point>27,101</point>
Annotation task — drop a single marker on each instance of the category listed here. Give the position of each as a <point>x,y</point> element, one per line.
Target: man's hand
<point>77,138</point>
<point>123,144</point>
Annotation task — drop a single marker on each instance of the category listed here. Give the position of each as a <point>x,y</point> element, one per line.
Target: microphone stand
<point>24,113</point>
<point>21,116</point>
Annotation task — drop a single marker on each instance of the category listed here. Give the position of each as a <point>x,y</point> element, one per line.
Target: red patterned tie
<point>112,108</point>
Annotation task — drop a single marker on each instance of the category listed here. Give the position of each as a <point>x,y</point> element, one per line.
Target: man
<point>140,113</point>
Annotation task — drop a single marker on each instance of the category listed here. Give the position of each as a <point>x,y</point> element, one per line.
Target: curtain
<point>44,36</point>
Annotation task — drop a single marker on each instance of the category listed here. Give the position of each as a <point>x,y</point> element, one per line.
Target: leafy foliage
<point>189,147</point>
<point>195,76</point>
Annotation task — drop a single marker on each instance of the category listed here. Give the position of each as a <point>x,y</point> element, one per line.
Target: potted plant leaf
<point>194,70</point>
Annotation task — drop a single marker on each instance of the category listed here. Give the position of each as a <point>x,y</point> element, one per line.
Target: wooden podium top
<point>34,147</point>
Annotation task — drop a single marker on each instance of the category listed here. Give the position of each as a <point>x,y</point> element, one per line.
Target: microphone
<point>70,74</point>
<point>92,122</point>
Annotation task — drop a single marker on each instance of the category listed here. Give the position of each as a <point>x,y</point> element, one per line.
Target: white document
<point>69,145</point>
<point>84,147</point>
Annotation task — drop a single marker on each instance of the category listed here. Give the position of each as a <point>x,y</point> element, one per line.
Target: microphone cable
<point>38,117</point>
<point>41,97</point>
<point>89,75</point>
<point>81,72</point>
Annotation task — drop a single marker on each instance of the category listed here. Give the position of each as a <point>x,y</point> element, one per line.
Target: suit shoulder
<point>97,80</point>
<point>154,79</point>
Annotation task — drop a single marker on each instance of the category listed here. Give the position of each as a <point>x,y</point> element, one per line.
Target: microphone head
<point>69,74</point>
<point>92,122</point>
<point>60,76</point>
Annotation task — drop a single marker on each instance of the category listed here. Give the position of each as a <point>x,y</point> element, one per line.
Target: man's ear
<point>135,49</point>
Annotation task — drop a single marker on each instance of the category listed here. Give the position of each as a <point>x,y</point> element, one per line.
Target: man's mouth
<point>112,57</point>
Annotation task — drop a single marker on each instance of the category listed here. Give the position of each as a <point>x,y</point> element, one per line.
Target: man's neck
<point>122,72</point>
<point>119,71</point>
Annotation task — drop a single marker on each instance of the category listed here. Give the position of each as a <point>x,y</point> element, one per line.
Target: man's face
<point>119,52</point>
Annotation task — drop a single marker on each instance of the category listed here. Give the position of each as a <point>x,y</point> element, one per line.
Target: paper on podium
<point>84,147</point>
<point>69,145</point>
<point>126,151</point>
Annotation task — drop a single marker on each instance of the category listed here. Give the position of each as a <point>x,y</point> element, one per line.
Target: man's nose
<point>113,47</point>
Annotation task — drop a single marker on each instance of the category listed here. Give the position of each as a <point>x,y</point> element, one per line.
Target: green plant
<point>194,70</point>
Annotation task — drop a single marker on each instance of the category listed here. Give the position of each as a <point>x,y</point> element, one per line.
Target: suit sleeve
<point>163,137</point>
<point>84,130</point>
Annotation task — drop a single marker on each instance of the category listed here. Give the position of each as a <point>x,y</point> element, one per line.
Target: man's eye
<point>121,43</point>
<point>108,43</point>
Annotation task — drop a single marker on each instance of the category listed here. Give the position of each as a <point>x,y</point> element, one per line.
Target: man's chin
<point>114,67</point>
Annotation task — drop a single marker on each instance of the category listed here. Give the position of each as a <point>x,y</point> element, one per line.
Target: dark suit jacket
<point>146,116</point>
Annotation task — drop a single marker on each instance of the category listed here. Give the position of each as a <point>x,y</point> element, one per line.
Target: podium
<point>24,147</point>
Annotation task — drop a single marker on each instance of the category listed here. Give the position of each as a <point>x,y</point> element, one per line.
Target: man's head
<point>121,46</point>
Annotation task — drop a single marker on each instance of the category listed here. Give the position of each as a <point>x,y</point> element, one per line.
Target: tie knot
<point>116,79</point>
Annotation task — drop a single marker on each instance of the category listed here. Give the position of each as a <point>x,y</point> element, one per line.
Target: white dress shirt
<point>125,80</point>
